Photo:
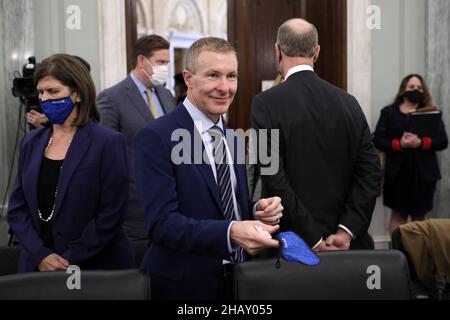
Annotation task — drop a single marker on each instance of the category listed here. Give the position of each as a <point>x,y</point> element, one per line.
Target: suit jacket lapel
<point>138,102</point>
<point>162,101</point>
<point>78,147</point>
<point>32,173</point>
<point>185,121</point>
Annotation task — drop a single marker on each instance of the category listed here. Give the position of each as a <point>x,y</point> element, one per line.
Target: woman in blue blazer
<point>71,190</point>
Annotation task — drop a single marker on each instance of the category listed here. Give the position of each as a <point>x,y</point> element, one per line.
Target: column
<point>438,76</point>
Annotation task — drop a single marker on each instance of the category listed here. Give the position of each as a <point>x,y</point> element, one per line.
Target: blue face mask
<point>57,110</point>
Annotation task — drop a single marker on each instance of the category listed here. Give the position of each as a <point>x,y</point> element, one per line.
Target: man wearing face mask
<point>134,102</point>
<point>329,172</point>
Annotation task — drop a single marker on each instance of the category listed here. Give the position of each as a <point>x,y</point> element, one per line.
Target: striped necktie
<point>224,181</point>
<point>151,104</point>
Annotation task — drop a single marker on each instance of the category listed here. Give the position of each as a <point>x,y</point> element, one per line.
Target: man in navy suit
<point>134,102</point>
<point>198,215</point>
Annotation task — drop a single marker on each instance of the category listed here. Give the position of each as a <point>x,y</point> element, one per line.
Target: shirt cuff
<point>317,244</point>
<point>254,209</point>
<point>347,230</point>
<point>231,249</point>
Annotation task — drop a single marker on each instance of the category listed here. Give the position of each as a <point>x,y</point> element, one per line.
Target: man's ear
<point>187,76</point>
<point>277,51</point>
<point>316,55</point>
<point>140,61</point>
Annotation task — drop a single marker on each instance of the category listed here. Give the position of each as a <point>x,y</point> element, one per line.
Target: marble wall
<point>112,35</point>
<point>438,76</point>
<point>17,43</point>
<point>359,57</point>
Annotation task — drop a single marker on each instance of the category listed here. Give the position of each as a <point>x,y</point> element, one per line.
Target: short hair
<point>73,74</point>
<point>213,44</point>
<point>295,44</point>
<point>428,101</point>
<point>147,45</point>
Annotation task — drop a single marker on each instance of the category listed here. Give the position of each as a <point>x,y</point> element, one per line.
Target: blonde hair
<point>206,44</point>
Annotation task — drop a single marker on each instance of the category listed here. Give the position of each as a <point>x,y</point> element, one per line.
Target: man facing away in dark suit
<point>329,173</point>
<point>197,210</point>
<point>134,102</point>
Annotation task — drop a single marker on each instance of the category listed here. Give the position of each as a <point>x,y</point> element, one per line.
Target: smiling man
<point>198,215</point>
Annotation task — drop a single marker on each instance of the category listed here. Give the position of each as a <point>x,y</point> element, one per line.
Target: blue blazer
<point>183,213</point>
<point>90,205</point>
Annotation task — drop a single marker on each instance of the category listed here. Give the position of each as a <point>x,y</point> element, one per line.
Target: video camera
<point>24,88</point>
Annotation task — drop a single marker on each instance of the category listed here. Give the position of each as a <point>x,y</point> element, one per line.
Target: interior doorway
<point>252,27</point>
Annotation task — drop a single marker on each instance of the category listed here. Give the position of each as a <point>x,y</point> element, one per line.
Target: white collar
<point>301,67</point>
<point>201,121</point>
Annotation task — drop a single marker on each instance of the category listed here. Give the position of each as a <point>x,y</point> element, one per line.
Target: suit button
<point>58,235</point>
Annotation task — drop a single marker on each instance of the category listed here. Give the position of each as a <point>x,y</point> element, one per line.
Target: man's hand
<point>269,211</point>
<point>250,236</point>
<point>36,119</point>
<point>324,247</point>
<point>53,262</point>
<point>341,240</point>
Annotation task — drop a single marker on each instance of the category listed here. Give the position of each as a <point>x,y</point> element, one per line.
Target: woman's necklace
<point>56,190</point>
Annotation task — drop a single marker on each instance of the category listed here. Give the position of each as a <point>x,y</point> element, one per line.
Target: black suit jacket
<point>390,126</point>
<point>329,171</point>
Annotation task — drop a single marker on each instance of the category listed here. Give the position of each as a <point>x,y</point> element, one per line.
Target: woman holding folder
<point>411,169</point>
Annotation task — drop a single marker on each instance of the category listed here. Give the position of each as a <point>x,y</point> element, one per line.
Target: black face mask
<point>414,96</point>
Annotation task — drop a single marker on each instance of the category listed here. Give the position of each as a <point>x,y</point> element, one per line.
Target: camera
<point>24,88</point>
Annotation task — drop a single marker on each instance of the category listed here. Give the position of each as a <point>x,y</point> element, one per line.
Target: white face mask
<point>160,74</point>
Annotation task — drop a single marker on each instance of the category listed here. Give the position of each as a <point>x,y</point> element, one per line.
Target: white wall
<point>53,36</point>
<point>378,59</point>
<point>398,49</point>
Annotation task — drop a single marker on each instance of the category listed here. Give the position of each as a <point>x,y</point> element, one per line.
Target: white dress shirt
<point>143,90</point>
<point>301,67</point>
<point>203,124</point>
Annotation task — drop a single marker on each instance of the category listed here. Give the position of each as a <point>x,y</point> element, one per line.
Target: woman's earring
<point>77,100</point>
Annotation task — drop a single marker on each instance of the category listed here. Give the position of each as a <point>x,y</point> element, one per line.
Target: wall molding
<point>112,34</point>
<point>359,55</point>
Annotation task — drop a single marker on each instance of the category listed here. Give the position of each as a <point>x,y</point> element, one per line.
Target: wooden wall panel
<point>252,27</point>
<point>131,29</point>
